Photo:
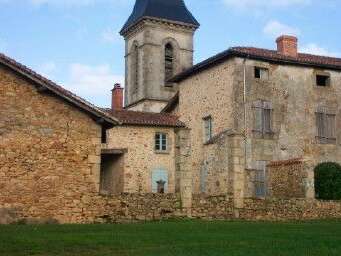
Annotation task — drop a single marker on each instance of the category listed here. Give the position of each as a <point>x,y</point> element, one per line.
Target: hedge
<point>328,181</point>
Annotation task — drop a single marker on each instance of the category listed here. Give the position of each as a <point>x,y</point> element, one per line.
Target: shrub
<point>328,181</point>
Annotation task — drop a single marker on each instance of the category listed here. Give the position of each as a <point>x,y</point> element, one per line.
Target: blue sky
<point>76,42</point>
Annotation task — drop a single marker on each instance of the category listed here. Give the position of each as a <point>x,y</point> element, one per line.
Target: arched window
<point>135,67</point>
<point>169,62</point>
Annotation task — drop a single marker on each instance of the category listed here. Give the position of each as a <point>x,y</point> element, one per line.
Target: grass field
<point>174,238</point>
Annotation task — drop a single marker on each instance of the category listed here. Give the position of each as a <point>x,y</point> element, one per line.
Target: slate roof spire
<point>171,10</point>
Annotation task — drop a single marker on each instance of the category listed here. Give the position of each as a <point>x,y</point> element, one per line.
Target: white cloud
<point>255,4</point>
<point>92,82</point>
<point>275,28</point>
<point>315,49</point>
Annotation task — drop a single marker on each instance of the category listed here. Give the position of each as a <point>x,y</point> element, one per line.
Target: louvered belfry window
<point>135,68</point>
<point>169,62</point>
<point>326,126</point>
<point>262,117</point>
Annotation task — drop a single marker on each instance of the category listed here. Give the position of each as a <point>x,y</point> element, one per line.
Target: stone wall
<point>141,159</point>
<point>286,179</point>
<point>49,153</point>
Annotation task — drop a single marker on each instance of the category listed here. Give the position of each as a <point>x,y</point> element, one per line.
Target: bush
<point>328,181</point>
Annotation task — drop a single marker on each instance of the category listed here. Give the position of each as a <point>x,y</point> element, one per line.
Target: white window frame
<point>161,142</point>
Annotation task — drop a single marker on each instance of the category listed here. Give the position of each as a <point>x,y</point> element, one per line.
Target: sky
<point>76,43</point>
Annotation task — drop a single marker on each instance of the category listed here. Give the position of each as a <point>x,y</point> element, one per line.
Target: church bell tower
<point>158,44</point>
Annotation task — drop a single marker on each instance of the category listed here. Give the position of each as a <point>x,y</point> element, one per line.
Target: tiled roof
<point>45,84</point>
<point>285,162</point>
<point>145,118</point>
<point>273,56</point>
<point>172,10</point>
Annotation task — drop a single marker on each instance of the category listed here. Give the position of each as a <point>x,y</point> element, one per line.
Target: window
<point>207,128</point>
<point>262,117</point>
<point>326,126</point>
<point>260,179</point>
<point>169,59</point>
<point>135,67</point>
<point>261,73</point>
<point>161,142</point>
<point>160,181</point>
<point>322,80</point>
<point>104,135</point>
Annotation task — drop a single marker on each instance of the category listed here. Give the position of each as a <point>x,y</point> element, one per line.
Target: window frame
<point>260,179</point>
<point>327,80</point>
<point>326,127</point>
<point>261,71</point>
<point>161,144</point>
<point>169,62</point>
<point>263,118</point>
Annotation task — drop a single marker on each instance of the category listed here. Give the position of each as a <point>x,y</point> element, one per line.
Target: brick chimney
<point>287,45</point>
<point>117,97</point>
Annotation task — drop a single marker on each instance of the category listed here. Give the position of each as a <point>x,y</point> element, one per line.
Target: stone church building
<point>225,138</point>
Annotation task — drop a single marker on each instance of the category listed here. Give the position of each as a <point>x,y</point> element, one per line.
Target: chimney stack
<point>287,45</point>
<point>117,98</point>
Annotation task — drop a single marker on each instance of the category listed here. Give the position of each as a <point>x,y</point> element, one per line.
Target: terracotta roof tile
<point>285,162</point>
<point>48,85</point>
<point>145,118</point>
<point>302,59</point>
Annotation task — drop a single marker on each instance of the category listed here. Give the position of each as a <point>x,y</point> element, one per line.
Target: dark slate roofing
<point>128,117</point>
<point>273,56</point>
<point>44,84</point>
<point>172,10</point>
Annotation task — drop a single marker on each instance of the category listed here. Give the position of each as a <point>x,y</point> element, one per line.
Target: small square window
<point>161,142</point>
<point>261,73</point>
<point>322,80</point>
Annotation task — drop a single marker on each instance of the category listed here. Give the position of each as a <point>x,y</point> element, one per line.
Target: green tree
<point>328,181</point>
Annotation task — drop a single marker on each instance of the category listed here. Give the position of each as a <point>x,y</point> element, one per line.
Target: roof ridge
<point>49,84</point>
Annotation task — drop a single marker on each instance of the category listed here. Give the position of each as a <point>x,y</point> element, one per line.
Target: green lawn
<point>174,238</point>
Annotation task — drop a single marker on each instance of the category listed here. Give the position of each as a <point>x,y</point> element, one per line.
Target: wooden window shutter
<point>267,117</point>
<point>258,116</point>
<point>320,124</point>
<point>331,125</point>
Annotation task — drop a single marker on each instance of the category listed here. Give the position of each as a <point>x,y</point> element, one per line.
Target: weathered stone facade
<point>140,158</point>
<point>149,91</point>
<point>49,152</point>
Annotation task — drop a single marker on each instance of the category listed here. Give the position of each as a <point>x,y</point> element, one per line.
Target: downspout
<point>245,112</point>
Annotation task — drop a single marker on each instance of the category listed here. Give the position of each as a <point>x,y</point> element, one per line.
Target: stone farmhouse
<point>235,136</point>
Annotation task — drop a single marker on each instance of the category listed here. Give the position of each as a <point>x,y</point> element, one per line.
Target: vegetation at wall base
<point>180,238</point>
<point>328,181</point>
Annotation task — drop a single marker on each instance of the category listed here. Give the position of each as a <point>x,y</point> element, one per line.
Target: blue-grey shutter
<point>158,175</point>
<point>258,116</point>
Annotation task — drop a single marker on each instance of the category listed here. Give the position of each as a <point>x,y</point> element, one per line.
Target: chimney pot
<point>287,45</point>
<point>117,97</point>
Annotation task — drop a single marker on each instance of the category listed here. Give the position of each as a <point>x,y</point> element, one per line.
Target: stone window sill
<point>159,152</point>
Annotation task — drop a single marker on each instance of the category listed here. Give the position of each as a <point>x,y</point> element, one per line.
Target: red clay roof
<point>45,84</point>
<point>145,118</point>
<point>285,162</point>
<point>302,59</point>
